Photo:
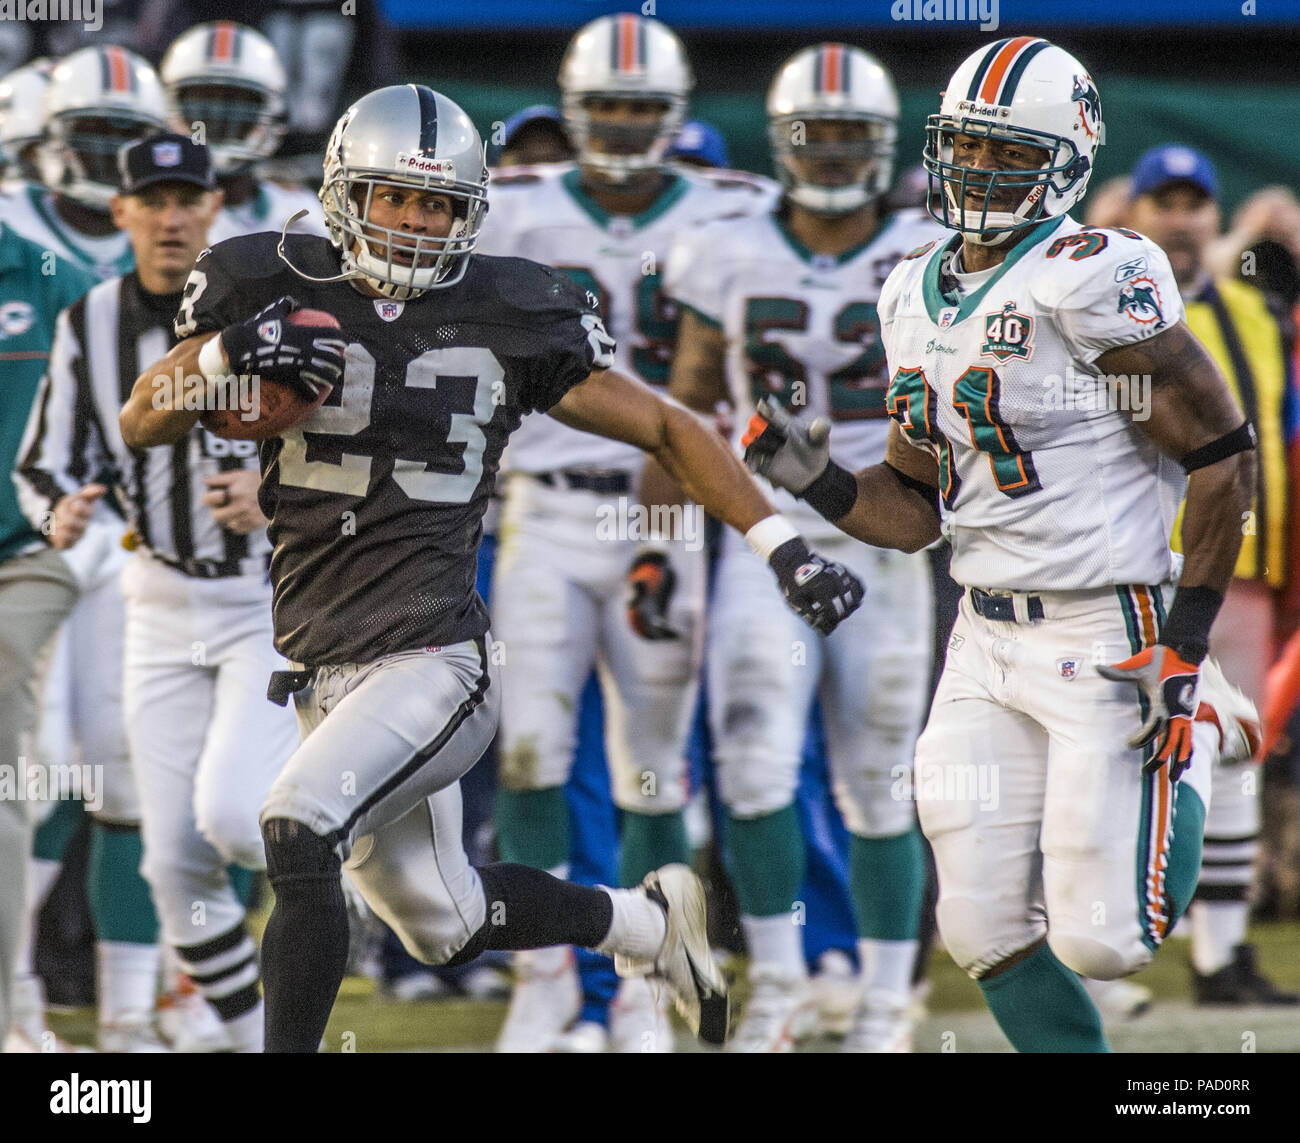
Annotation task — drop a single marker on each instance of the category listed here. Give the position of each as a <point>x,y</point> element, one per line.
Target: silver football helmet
<point>841,84</point>
<point>229,78</point>
<point>413,136</point>
<point>98,100</point>
<point>625,57</point>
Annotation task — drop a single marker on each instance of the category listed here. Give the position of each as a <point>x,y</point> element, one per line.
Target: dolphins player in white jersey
<point>22,123</point>
<point>783,306</point>
<point>97,100</point>
<point>567,536</point>
<point>225,80</point>
<point>1051,408</point>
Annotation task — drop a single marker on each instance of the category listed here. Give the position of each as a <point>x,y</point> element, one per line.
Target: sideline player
<point>1048,394</point>
<point>559,592</point>
<point>37,589</point>
<point>205,746</point>
<point>226,80</point>
<point>783,305</point>
<point>376,504</point>
<point>97,100</point>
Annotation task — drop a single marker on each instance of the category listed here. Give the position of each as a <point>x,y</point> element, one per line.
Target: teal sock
<point>766,861</point>
<point>1041,1006</point>
<point>241,881</point>
<point>1184,851</point>
<point>51,837</point>
<point>120,903</point>
<point>887,881</point>
<point>648,841</point>
<point>533,827</point>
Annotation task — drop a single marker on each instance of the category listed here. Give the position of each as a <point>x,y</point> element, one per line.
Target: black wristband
<point>832,494</point>
<point>1187,627</point>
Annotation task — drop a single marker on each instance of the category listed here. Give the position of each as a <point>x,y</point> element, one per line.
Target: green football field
<point>957,1019</point>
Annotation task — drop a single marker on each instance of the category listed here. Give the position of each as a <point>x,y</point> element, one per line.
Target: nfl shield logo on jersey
<point>1067,668</point>
<point>389,311</point>
<point>1007,334</point>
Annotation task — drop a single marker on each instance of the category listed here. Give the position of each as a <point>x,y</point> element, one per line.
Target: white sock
<point>638,928</point>
<point>126,978</point>
<point>887,965</point>
<point>41,875</point>
<point>1217,928</point>
<point>247,1032</point>
<point>777,943</point>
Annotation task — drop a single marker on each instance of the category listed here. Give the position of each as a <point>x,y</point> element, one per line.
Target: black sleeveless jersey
<point>376,501</point>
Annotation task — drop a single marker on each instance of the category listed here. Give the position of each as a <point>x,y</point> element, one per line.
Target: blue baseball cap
<point>538,111</point>
<point>1174,163</point>
<point>701,142</point>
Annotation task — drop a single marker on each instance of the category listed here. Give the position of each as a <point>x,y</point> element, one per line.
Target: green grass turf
<point>364,1022</point>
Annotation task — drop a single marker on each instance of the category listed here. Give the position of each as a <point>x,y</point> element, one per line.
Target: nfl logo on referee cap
<point>167,154</point>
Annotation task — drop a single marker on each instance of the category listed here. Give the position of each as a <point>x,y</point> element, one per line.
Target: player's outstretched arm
<point>894,504</point>
<point>149,417</point>
<point>614,405</point>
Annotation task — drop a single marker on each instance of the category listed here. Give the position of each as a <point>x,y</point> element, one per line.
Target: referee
<point>205,744</point>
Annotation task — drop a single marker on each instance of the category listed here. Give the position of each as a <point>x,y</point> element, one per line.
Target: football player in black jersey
<point>376,502</point>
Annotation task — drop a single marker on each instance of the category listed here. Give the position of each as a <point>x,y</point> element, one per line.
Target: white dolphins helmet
<point>1021,90</point>
<point>229,78</point>
<point>22,116</point>
<point>626,57</point>
<point>413,135</point>
<point>98,100</point>
<point>842,83</point>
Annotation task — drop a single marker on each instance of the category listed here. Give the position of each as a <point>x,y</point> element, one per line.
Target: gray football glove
<point>786,451</point>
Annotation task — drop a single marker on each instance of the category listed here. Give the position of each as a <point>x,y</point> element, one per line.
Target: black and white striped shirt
<point>101,344</point>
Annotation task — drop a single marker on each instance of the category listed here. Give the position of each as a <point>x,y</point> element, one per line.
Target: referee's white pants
<point>205,742</point>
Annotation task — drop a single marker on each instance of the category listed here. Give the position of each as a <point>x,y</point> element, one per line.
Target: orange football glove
<point>1169,683</point>
<point>650,585</point>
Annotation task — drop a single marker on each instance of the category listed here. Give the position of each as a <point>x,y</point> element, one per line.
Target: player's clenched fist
<point>787,452</point>
<point>72,515</point>
<point>650,585</point>
<point>1169,683</point>
<point>823,593</point>
<point>306,358</point>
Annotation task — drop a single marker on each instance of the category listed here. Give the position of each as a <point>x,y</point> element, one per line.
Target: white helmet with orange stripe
<point>98,100</point>
<point>1041,108</point>
<point>832,121</point>
<point>629,60</point>
<point>229,78</point>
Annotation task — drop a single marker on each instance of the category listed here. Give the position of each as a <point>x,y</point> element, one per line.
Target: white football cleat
<point>585,1038</point>
<point>883,1024</point>
<point>837,990</point>
<point>188,1022</point>
<point>1118,999</point>
<point>781,1012</point>
<point>638,1018</point>
<point>131,1033</point>
<point>545,1000</point>
<point>685,961</point>
<point>28,1032</point>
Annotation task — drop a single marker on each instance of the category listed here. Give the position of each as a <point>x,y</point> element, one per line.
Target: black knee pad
<point>295,853</point>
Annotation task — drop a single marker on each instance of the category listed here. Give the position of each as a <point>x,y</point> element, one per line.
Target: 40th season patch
<point>1008,334</point>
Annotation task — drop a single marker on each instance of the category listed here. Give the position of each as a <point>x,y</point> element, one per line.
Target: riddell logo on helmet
<point>969,107</point>
<point>443,169</point>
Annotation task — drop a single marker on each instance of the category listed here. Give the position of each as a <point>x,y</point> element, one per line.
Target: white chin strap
<point>1006,223</point>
